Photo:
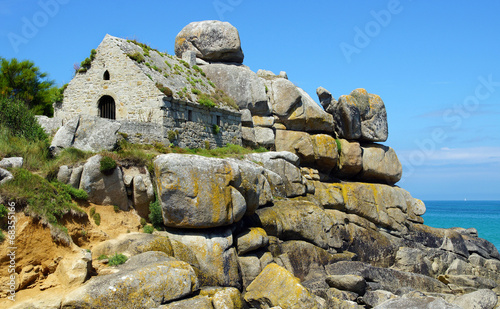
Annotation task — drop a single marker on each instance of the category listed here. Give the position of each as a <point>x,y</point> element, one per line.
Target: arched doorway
<point>105,76</point>
<point>107,107</point>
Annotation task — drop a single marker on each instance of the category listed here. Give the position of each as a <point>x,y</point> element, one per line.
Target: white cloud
<point>450,156</point>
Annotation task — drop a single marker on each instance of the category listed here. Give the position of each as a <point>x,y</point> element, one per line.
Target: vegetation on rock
<point>117,259</point>
<point>108,165</point>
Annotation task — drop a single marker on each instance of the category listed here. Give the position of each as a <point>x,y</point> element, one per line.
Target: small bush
<point>116,208</point>
<point>92,211</point>
<point>77,194</point>
<point>97,218</point>
<point>149,229</point>
<point>102,257</point>
<point>207,145</point>
<point>143,222</point>
<point>19,120</point>
<point>166,91</point>
<point>3,211</point>
<point>206,101</point>
<point>211,84</point>
<point>195,91</point>
<point>184,63</point>
<point>155,216</point>
<point>138,57</point>
<point>215,129</point>
<point>172,135</point>
<point>117,259</point>
<point>108,165</point>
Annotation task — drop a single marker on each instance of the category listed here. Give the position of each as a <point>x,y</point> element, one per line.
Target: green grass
<point>48,201</point>
<point>117,259</point>
<point>97,218</point>
<point>155,216</point>
<point>102,257</point>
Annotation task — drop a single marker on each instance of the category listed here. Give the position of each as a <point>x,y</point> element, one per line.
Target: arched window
<point>106,75</point>
<point>107,107</point>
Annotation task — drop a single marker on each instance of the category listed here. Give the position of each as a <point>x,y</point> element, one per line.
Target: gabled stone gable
<point>135,94</point>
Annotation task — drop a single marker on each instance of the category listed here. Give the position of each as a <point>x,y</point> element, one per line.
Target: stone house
<point>155,96</point>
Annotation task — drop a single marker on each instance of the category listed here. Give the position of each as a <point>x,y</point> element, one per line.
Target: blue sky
<point>435,64</point>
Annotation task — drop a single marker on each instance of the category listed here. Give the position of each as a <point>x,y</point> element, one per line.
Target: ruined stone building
<point>155,97</point>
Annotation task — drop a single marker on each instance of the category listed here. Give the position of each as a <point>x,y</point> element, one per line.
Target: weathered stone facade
<point>117,87</point>
<point>189,125</point>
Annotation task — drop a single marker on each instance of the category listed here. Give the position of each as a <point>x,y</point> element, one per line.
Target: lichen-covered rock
<point>64,137</point>
<point>284,97</point>
<point>197,302</point>
<point>264,137</point>
<point>350,159</point>
<point>196,192</point>
<point>423,302</point>
<point>292,220</point>
<point>373,116</point>
<point>299,143</point>
<point>228,298</point>
<point>347,118</point>
<point>282,172</point>
<point>325,97</point>
<point>215,254</point>
<point>103,189</point>
<point>329,195</point>
<point>146,281</point>
<point>380,164</point>
<point>305,260</point>
<point>251,239</point>
<point>481,299</point>
<point>353,283</point>
<point>212,40</point>
<point>387,279</point>
<point>49,125</point>
<point>275,286</point>
<point>241,84</point>
<point>325,152</point>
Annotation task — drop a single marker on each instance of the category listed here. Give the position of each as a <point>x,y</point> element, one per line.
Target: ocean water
<point>482,215</point>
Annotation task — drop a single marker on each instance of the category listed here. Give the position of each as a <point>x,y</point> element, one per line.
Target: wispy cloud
<point>456,156</point>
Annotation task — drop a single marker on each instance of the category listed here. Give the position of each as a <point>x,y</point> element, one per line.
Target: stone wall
<point>142,132</point>
<point>136,96</point>
<point>189,125</point>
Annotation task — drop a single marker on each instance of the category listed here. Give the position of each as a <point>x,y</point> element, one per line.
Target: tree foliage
<point>24,81</point>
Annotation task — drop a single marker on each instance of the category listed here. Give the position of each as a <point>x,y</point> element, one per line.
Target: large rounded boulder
<point>212,40</point>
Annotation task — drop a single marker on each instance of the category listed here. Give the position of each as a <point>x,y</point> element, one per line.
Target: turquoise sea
<point>482,215</point>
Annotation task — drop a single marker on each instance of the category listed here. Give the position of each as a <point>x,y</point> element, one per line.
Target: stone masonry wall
<point>189,125</point>
<point>136,96</point>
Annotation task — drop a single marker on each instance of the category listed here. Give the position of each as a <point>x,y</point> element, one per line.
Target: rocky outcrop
<point>212,40</point>
<point>275,286</point>
<point>241,84</point>
<point>5,176</point>
<point>101,188</point>
<point>380,164</point>
<point>145,281</point>
<point>87,133</point>
<point>360,115</point>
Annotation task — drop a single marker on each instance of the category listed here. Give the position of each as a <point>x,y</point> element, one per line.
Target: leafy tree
<point>24,81</point>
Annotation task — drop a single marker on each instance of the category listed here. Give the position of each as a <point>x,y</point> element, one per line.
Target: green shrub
<point>167,63</point>
<point>77,194</point>
<point>3,211</point>
<point>97,218</point>
<point>108,165</point>
<point>149,229</point>
<point>102,257</point>
<point>137,56</point>
<point>117,259</point>
<point>172,135</point>
<point>184,63</point>
<point>166,91</point>
<point>17,119</point>
<point>215,129</point>
<point>211,84</point>
<point>116,208</point>
<point>204,100</point>
<point>207,145</point>
<point>195,91</point>
<point>143,222</point>
<point>92,211</point>
<point>155,216</point>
